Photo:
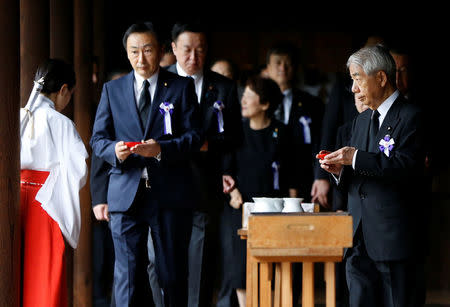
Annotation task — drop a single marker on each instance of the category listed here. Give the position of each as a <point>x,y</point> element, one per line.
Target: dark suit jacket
<point>118,119</point>
<point>211,165</point>
<point>344,135</point>
<point>99,180</point>
<point>309,106</point>
<point>384,192</point>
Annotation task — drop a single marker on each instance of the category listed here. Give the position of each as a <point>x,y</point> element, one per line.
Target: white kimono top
<point>50,142</point>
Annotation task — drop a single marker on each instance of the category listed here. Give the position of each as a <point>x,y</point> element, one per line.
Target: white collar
<point>287,92</point>
<point>152,80</point>
<point>386,105</point>
<point>41,100</point>
<point>182,73</point>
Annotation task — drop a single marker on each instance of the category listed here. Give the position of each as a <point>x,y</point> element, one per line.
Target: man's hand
<point>334,162</point>
<point>101,212</point>
<point>122,151</point>
<point>228,183</point>
<point>148,149</point>
<point>319,192</point>
<point>343,156</point>
<point>236,199</point>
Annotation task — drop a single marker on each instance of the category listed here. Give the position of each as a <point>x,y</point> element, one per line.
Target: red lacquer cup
<point>132,144</point>
<point>323,153</point>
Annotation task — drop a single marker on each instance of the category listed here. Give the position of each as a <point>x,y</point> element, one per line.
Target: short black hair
<point>268,92</point>
<point>181,27</point>
<point>283,48</point>
<point>56,73</point>
<point>140,27</point>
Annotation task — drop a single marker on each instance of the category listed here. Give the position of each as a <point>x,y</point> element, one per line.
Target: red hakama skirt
<point>44,281</point>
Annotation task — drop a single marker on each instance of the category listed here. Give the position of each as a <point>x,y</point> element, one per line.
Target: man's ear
<point>382,78</point>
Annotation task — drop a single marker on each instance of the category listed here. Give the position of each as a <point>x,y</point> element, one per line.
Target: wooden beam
<point>9,154</point>
<point>83,120</point>
<point>34,42</point>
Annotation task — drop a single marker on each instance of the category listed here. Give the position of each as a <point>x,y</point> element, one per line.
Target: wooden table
<point>282,239</point>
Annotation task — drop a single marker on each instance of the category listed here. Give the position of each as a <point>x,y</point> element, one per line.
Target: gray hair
<point>373,59</point>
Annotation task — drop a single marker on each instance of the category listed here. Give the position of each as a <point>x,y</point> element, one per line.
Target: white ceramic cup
<point>247,210</point>
<point>292,204</point>
<point>308,207</point>
<point>263,204</point>
<point>278,203</point>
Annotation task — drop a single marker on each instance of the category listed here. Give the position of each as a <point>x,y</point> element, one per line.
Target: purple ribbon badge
<point>218,107</point>
<point>306,121</point>
<point>276,175</point>
<point>166,109</point>
<point>386,145</point>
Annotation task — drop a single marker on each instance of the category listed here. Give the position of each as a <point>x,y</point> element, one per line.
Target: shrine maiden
<point>53,170</point>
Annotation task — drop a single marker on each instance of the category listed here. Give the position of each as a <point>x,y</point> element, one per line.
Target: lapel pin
<point>300,104</point>
<point>165,83</point>
<point>389,128</point>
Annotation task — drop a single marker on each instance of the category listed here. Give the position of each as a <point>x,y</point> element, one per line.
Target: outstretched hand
<point>334,161</point>
<point>148,149</point>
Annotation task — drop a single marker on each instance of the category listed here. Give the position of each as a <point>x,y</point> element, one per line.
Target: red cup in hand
<point>323,153</point>
<point>132,144</point>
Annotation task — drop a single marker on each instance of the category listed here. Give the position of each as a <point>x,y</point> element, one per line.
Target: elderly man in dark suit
<point>221,125</point>
<point>382,172</point>
<point>150,181</point>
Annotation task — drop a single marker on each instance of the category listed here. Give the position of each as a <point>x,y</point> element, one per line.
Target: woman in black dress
<point>261,169</point>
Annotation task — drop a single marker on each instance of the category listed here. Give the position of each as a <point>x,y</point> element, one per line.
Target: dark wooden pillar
<point>99,31</point>
<point>83,120</point>
<point>9,154</point>
<point>34,42</point>
<point>61,36</point>
<point>61,46</point>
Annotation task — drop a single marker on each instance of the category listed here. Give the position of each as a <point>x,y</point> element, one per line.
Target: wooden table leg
<point>265,284</point>
<point>255,285</point>
<point>277,294</point>
<point>308,284</point>
<point>330,280</point>
<point>252,281</point>
<point>286,284</point>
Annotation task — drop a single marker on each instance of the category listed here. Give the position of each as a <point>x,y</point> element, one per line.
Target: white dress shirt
<point>198,80</point>
<point>139,85</point>
<point>287,104</point>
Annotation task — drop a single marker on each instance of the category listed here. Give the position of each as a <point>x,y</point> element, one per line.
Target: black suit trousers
<point>379,283</point>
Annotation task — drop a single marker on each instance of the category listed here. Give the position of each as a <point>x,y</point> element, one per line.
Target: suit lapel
<point>129,97</point>
<point>390,121</point>
<point>361,131</point>
<point>160,93</point>
<point>209,96</point>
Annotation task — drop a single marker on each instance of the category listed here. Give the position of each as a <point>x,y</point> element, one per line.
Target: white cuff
<point>158,157</point>
<point>354,158</point>
<point>338,179</point>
